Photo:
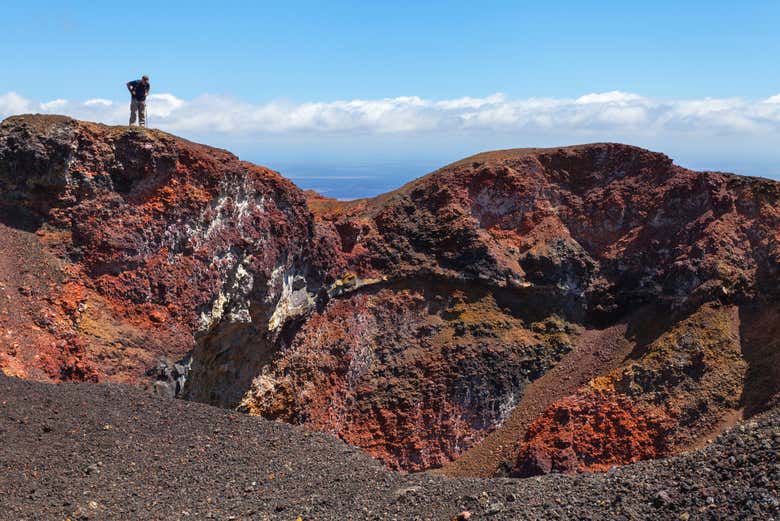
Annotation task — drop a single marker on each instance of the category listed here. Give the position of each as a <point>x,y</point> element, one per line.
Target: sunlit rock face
<point>411,324</point>
<point>498,266</point>
<point>413,372</point>
<point>125,246</point>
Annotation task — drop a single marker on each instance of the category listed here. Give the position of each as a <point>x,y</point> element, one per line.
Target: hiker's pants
<point>138,108</point>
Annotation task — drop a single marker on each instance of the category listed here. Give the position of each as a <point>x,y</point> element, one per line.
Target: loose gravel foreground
<point>104,452</point>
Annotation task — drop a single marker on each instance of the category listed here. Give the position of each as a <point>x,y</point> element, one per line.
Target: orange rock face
<point>696,374</point>
<point>123,245</point>
<point>592,432</point>
<point>581,237</point>
<point>409,324</point>
<point>411,373</point>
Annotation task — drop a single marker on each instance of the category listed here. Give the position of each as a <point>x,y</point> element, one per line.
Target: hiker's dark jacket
<point>139,89</point>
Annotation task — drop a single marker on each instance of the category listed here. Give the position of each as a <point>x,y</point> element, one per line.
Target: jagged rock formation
<point>411,324</point>
<point>123,245</point>
<point>553,244</point>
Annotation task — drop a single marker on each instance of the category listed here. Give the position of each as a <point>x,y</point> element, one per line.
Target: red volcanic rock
<point>124,244</point>
<point>413,372</point>
<point>605,221</point>
<point>409,324</point>
<point>565,240</point>
<point>591,432</point>
<point>579,237</point>
<point>696,374</point>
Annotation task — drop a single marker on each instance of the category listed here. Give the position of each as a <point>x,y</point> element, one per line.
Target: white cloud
<point>12,103</point>
<point>596,114</point>
<point>98,102</point>
<point>471,103</point>
<point>614,96</point>
<point>54,105</point>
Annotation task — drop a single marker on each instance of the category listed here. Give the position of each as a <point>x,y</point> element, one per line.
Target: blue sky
<point>343,50</point>
<point>287,63</point>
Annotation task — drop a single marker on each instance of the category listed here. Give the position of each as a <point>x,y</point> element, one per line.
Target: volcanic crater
<point>519,312</point>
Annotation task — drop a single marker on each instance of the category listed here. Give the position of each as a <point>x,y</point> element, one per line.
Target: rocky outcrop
<point>591,432</point>
<point>412,372</point>
<point>565,241</point>
<point>694,375</point>
<point>410,324</point>
<point>125,245</point>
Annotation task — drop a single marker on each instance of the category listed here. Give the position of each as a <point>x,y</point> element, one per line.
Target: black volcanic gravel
<point>104,452</point>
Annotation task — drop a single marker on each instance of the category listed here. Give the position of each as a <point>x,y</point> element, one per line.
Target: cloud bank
<point>595,114</point>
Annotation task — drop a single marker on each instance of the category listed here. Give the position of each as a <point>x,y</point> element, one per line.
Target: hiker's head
<point>145,79</point>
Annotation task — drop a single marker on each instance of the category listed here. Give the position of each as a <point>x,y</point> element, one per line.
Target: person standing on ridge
<point>139,89</point>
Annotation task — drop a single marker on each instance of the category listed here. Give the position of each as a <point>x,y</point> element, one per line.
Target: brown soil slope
<point>111,452</point>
